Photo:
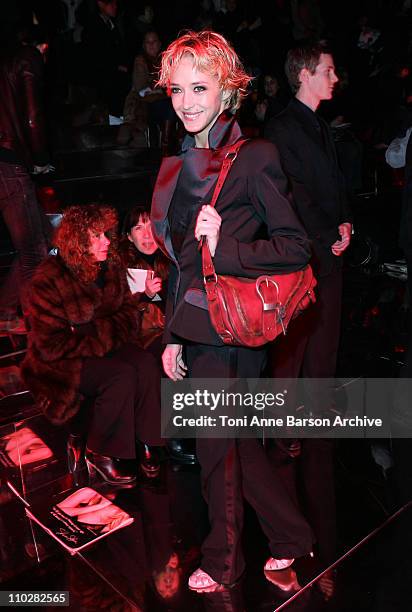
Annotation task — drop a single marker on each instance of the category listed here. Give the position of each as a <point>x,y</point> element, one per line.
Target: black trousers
<point>310,350</point>
<point>232,469</point>
<point>311,344</point>
<point>126,388</point>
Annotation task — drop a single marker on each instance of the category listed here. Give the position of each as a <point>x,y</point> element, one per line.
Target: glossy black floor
<point>129,569</point>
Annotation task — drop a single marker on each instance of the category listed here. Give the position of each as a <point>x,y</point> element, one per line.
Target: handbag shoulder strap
<point>224,171</point>
<point>207,263</point>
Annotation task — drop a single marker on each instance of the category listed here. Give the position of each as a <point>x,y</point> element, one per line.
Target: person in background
<point>273,101</point>
<point>84,324</point>
<point>147,106</point>
<point>23,151</point>
<point>308,158</point>
<point>105,56</point>
<point>139,250</point>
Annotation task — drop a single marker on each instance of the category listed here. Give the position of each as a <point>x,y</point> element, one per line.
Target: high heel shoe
<point>75,447</point>
<point>75,452</point>
<point>110,469</point>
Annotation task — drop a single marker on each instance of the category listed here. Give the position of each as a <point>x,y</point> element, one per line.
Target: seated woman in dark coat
<point>84,323</point>
<point>138,249</point>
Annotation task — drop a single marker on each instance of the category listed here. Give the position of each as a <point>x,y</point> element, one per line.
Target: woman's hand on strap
<point>173,363</point>
<point>208,224</point>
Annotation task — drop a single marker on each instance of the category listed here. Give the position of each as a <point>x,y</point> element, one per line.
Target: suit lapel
<point>209,168</point>
<point>206,164</point>
<point>163,192</point>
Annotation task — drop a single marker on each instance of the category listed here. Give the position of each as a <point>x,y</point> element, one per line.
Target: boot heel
<point>93,475</point>
<point>75,453</point>
<point>75,457</point>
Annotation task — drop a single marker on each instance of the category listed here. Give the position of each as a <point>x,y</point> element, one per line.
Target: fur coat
<point>69,322</point>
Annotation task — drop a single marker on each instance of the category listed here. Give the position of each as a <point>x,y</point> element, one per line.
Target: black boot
<point>182,451</point>
<point>112,470</point>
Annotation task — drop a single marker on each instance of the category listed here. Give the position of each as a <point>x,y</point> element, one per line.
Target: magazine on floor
<point>80,519</point>
<point>27,462</point>
<point>23,447</point>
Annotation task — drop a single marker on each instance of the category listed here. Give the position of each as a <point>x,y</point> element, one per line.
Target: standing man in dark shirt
<point>22,150</point>
<point>308,157</point>
<point>106,57</point>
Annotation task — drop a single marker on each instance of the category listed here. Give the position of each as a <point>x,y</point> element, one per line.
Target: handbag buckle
<point>267,305</point>
<point>231,156</point>
<point>209,278</point>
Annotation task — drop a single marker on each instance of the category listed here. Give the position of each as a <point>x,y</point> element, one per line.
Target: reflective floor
<point>145,565</point>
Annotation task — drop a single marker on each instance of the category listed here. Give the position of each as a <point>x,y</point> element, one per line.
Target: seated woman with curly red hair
<point>84,323</point>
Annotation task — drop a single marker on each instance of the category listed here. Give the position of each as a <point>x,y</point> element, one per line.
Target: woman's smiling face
<point>197,98</point>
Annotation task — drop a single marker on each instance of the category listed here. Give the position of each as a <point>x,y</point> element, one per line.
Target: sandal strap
<point>201,580</point>
<point>273,564</point>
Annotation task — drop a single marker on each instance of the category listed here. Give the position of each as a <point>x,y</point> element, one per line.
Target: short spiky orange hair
<point>72,238</point>
<point>212,54</point>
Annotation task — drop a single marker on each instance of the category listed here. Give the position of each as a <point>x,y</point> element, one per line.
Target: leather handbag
<point>252,311</point>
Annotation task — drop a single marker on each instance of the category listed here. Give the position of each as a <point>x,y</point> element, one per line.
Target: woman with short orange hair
<point>253,230</point>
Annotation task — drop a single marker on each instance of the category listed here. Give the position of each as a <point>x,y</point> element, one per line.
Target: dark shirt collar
<point>308,113</point>
<point>107,20</point>
<point>149,259</point>
<point>225,131</point>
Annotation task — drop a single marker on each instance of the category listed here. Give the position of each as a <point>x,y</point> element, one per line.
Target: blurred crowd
<point>101,59</point>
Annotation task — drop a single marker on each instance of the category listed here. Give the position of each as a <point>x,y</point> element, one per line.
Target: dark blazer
<point>104,50</point>
<point>259,233</point>
<point>308,158</point>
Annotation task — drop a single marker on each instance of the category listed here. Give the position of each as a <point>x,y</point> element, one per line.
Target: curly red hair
<point>211,54</point>
<point>72,238</point>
